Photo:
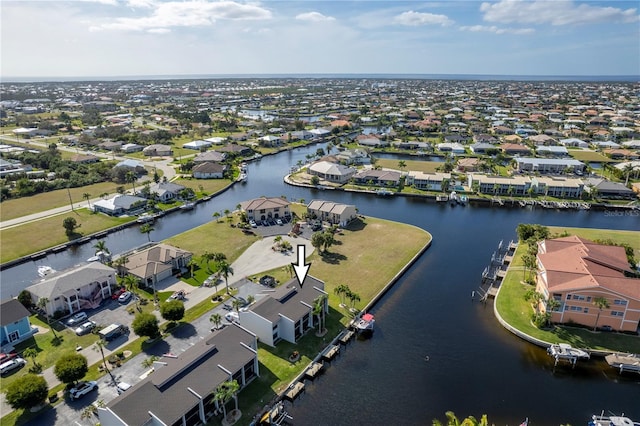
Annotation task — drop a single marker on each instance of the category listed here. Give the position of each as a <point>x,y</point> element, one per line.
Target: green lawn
<point>517,312</point>
<point>412,165</point>
<point>39,235</point>
<point>589,156</point>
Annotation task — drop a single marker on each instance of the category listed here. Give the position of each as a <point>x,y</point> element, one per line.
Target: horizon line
<point>135,77</point>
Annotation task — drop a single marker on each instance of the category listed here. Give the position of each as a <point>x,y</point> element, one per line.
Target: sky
<point>111,38</point>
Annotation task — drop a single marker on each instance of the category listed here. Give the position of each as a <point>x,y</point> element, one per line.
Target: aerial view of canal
<point>434,349</point>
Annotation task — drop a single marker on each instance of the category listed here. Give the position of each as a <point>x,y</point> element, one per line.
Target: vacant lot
<point>413,165</point>
<point>589,156</point>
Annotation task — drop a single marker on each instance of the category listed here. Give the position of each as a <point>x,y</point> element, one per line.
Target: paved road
<point>164,164</point>
<point>256,259</point>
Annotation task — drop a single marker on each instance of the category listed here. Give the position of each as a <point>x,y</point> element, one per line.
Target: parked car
<point>178,295</point>
<point>11,365</point>
<point>122,387</point>
<point>253,224</point>
<point>78,318</point>
<point>279,222</point>
<point>125,297</point>
<point>232,317</point>
<point>117,293</point>
<point>82,388</point>
<point>112,332</point>
<point>265,223</point>
<point>4,357</point>
<point>85,328</point>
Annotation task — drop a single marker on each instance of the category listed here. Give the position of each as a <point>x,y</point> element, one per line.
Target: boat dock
<point>346,336</point>
<point>494,273</point>
<point>331,352</point>
<point>624,362</point>
<point>563,351</point>
<point>294,391</point>
<point>313,371</point>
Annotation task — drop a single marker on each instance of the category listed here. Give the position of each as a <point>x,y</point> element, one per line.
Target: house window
<point>617,314</point>
<point>578,297</point>
<point>586,310</point>
<point>576,308</point>
<point>588,298</point>
<point>568,296</point>
<point>620,302</point>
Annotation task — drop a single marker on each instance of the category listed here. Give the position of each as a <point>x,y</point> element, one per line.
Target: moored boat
<point>603,420</point>
<point>145,217</point>
<point>189,205</point>
<point>242,178</point>
<point>624,362</point>
<point>45,270</point>
<point>365,323</point>
<point>566,351</point>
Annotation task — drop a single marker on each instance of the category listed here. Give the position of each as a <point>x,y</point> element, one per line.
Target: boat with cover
<point>145,217</point>
<point>624,362</point>
<point>603,420</point>
<point>45,270</point>
<point>365,323</point>
<point>565,351</point>
<point>189,205</point>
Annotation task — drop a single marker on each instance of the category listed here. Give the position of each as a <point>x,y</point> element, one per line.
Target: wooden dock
<point>294,391</point>
<point>331,352</point>
<point>314,369</point>
<point>346,336</point>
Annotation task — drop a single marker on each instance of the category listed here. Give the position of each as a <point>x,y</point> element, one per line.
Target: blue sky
<point>109,38</point>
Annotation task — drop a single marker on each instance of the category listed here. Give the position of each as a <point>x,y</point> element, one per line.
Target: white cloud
<point>141,3</point>
<point>415,19</point>
<point>558,12</point>
<point>159,30</point>
<point>497,30</point>
<point>314,17</point>
<point>192,13</point>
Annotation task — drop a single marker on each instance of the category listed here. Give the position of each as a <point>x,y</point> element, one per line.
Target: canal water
<point>434,349</point>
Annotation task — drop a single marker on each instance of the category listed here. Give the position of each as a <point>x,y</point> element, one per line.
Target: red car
<point>4,357</point>
<point>117,293</point>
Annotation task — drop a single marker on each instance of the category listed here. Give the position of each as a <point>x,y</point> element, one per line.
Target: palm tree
<point>402,164</point>
<point>236,304</point>
<point>86,196</point>
<point>601,303</point>
<point>627,171</point>
<point>131,178</point>
<point>206,257</point>
<point>148,362</point>
<point>32,353</point>
<point>250,299</point>
<point>288,268</point>
<point>226,214</point>
<point>99,347</point>
<point>225,392</point>
<point>353,297</point>
<point>216,319</point>
<point>119,264</point>
<point>225,270</point>
<point>101,247</point>
<point>534,298</point>
<point>147,229</point>
<point>130,282</point>
<point>319,311</point>
<point>42,304</point>
<point>341,291</point>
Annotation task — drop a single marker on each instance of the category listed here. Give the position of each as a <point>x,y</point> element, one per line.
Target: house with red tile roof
<point>575,272</point>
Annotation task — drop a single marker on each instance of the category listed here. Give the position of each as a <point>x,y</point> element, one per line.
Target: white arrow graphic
<point>301,268</point>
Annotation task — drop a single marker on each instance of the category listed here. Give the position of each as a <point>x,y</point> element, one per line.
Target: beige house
<point>265,208</point>
<point>157,263</point>
<point>579,273</point>
<point>335,213</point>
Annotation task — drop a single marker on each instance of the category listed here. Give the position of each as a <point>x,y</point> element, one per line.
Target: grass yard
<point>413,165</point>
<point>589,156</point>
<point>517,312</point>
<point>35,236</point>
<point>209,186</point>
<point>24,206</point>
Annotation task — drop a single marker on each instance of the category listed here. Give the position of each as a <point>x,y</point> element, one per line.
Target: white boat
<point>463,199</point>
<point>603,420</point>
<point>365,323</point>
<point>145,217</point>
<point>384,192</point>
<point>99,257</point>
<point>189,205</point>
<point>624,362</point>
<point>242,178</point>
<point>565,351</point>
<point>45,270</point>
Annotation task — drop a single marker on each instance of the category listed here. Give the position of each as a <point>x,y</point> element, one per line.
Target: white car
<point>78,318</point>
<point>122,387</point>
<point>85,328</point>
<point>124,297</point>
<point>82,388</point>
<point>232,317</point>
<point>253,224</point>
<point>279,222</point>
<point>12,365</point>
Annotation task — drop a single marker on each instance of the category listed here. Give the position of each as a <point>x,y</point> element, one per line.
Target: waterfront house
<point>452,147</point>
<point>209,170</point>
<point>577,272</point>
<point>549,165</point>
<point>555,186</point>
<point>286,313</point>
<point>515,149</point>
<point>235,149</point>
<point>181,390</point>
<point>607,189</point>
<point>334,213</point>
<point>197,145</point>
<point>427,181</point>
<point>469,164</point>
<point>331,172</point>
<point>210,156</point>
<point>483,148</point>
<point>387,178</point>
<point>120,204</point>
<point>371,140</point>
<point>14,323</point>
<point>75,289</point>
<point>498,185</point>
<point>156,263</point>
<point>166,191</point>
<point>264,208</point>
<point>353,156</point>
<point>270,141</point>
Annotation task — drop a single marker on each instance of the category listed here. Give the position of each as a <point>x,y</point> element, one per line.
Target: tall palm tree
<point>99,347</point>
<point>225,392</point>
<point>86,196</point>
<point>42,304</point>
<point>131,178</point>
<point>32,353</point>
<point>148,362</point>
<point>341,291</point>
<point>227,212</point>
<point>236,304</point>
<point>225,270</point>
<point>354,298</point>
<point>216,319</point>
<point>601,303</point>
<point>101,247</point>
<point>147,229</point>
<point>319,312</point>
<point>206,257</point>
<point>130,282</point>
<point>119,264</point>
